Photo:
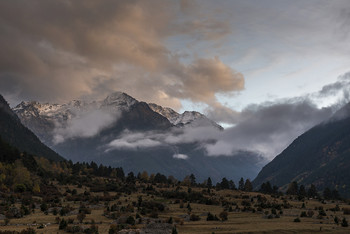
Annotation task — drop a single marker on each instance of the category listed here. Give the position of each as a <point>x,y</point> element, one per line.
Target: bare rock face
<point>188,118</point>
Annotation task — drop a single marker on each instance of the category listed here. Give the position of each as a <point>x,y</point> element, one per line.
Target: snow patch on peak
<point>24,105</point>
<point>195,119</point>
<point>167,112</point>
<point>60,113</point>
<point>32,108</point>
<point>119,99</point>
<point>55,123</point>
<point>188,118</point>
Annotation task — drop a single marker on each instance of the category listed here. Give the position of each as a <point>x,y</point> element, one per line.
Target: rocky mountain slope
<point>13,132</point>
<point>320,156</point>
<point>189,118</point>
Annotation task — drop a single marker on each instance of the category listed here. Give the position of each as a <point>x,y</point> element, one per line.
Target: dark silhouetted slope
<point>320,156</point>
<point>14,133</point>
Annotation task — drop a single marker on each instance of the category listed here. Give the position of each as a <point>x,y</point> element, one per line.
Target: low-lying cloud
<point>270,127</point>
<point>180,156</point>
<point>332,96</point>
<point>339,90</point>
<point>132,140</point>
<point>84,124</point>
<point>265,129</point>
<point>149,139</point>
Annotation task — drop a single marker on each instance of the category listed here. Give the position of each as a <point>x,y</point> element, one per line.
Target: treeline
<point>301,192</point>
<point>311,192</point>
<point>20,172</point>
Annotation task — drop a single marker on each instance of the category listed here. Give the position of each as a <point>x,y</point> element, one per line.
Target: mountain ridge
<point>43,118</point>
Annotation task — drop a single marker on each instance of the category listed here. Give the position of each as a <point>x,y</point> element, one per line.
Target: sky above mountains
<point>232,60</point>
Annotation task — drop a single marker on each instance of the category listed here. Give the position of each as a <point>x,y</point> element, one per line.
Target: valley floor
<point>246,213</point>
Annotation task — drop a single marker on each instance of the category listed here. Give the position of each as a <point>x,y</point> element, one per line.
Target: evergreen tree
<point>241,184</point>
<point>335,194</point>
<point>130,178</point>
<point>172,180</point>
<point>174,231</point>
<point>344,223</point>
<point>274,189</point>
<point>302,191</point>
<point>248,187</point>
<point>94,166</point>
<point>192,180</point>
<point>224,184</point>
<point>159,178</point>
<point>293,188</point>
<point>312,192</point>
<point>63,224</point>
<point>266,188</point>
<point>209,183</point>
<point>327,194</point>
<point>232,185</point>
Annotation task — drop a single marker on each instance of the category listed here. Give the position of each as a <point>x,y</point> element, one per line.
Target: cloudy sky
<point>241,62</point>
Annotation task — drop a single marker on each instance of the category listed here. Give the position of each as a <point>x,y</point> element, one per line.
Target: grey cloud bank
<point>84,124</point>
<point>266,129</point>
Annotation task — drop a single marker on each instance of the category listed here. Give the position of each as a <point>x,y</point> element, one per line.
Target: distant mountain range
<point>13,132</point>
<point>320,156</point>
<point>123,132</point>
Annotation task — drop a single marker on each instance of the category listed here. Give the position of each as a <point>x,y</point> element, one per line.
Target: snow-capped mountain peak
<point>118,101</point>
<point>30,108</point>
<point>45,118</point>
<point>188,118</point>
<point>50,110</point>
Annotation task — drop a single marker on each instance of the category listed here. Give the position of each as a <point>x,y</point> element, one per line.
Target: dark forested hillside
<point>321,156</point>
<point>8,153</point>
<point>13,132</point>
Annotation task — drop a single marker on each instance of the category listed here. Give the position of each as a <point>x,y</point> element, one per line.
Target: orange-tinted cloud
<point>55,51</point>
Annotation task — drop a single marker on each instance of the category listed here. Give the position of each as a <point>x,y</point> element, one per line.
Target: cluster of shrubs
<point>69,227</point>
